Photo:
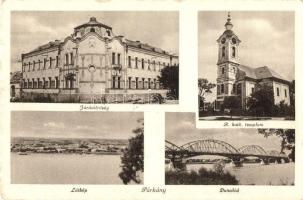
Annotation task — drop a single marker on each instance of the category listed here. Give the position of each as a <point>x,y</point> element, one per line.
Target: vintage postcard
<point>98,99</point>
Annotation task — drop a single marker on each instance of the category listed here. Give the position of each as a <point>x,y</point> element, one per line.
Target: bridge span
<point>178,154</point>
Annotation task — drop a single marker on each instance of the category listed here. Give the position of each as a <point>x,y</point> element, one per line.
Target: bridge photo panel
<point>226,156</point>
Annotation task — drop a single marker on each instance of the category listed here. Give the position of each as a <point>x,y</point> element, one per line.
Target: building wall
<point>43,72</point>
<point>283,93</point>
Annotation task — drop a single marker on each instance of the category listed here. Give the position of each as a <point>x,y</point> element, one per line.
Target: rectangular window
<point>129,82</point>
<point>278,92</point>
<point>222,89</point>
<point>66,59</point>
<point>57,61</point>
<point>154,64</point>
<point>44,64</point>
<point>57,82</point>
<point>39,64</point>
<point>136,62</point>
<point>148,64</point>
<point>129,61</point>
<point>285,91</point>
<point>114,82</point>
<point>137,82</point>
<point>148,83</point>
<point>218,89</point>
<point>222,70</point>
<point>71,58</point>
<point>155,86</point>
<point>119,79</point>
<point>113,58</point>
<point>119,59</point>
<point>142,62</point>
<point>50,62</point>
<point>29,66</point>
<point>252,90</point>
<point>143,83</point>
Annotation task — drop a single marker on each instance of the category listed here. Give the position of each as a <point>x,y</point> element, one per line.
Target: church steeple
<point>228,24</point>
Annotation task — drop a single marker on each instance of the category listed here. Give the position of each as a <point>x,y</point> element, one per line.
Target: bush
<point>202,177</point>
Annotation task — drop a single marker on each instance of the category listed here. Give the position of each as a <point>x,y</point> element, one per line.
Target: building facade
<point>235,79</point>
<point>94,61</point>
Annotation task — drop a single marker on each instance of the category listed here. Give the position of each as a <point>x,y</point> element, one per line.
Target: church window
<point>239,89</point>
<point>285,91</point>
<point>222,89</point>
<point>234,52</point>
<point>223,52</point>
<point>113,58</point>
<point>278,92</point>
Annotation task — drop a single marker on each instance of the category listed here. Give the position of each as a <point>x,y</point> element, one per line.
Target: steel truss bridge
<point>220,148</point>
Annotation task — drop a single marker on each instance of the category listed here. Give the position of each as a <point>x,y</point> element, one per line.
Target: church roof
<point>93,22</point>
<point>259,73</point>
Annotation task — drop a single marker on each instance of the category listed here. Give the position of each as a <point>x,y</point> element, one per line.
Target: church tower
<point>228,62</point>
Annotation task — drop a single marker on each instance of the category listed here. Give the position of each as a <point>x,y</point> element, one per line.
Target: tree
<point>169,79</point>
<point>133,156</point>
<point>287,139</point>
<point>261,101</point>
<point>292,89</point>
<point>204,88</point>
<point>232,103</point>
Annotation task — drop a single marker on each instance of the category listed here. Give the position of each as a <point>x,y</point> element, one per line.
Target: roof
<point>15,77</point>
<point>46,46</point>
<point>93,22</point>
<point>145,46</point>
<point>259,73</point>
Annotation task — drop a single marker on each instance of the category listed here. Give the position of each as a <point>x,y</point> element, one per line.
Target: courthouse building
<point>234,78</point>
<point>91,61</point>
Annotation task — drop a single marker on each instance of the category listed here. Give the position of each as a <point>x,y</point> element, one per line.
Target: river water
<point>65,169</point>
<point>257,174</point>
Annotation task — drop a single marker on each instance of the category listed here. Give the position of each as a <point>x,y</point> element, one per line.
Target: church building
<point>235,79</point>
<point>94,61</point>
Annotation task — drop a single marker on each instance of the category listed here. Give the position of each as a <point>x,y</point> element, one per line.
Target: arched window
<point>234,52</point>
<point>223,52</point>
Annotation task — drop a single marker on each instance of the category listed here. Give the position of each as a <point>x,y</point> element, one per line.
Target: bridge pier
<point>237,162</point>
<point>264,161</point>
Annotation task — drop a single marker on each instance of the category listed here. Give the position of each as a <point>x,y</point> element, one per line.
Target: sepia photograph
<point>246,65</point>
<point>227,156</point>
<point>77,147</point>
<point>109,57</point>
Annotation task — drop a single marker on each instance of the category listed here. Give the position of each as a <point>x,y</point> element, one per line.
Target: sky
<point>181,129</point>
<point>102,125</point>
<point>30,29</point>
<point>267,39</point>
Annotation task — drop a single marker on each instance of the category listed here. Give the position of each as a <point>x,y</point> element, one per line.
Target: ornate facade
<point>93,60</point>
